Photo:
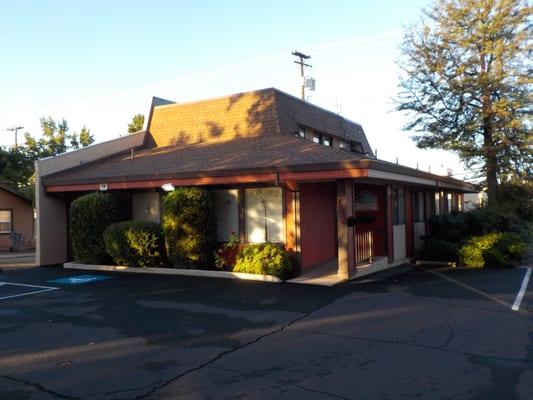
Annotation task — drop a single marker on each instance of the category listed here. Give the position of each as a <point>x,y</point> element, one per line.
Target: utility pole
<point>301,57</point>
<point>15,129</point>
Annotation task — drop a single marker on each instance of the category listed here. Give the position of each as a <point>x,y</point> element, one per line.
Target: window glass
<point>227,213</point>
<point>449,202</point>
<point>418,206</point>
<point>5,221</point>
<point>326,141</point>
<point>357,147</point>
<point>398,207</point>
<point>264,215</point>
<point>301,132</point>
<point>317,138</point>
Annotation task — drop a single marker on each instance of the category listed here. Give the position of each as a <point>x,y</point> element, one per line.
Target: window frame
<point>10,222</point>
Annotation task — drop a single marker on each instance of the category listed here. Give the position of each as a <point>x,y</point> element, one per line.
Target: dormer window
<point>357,147</point>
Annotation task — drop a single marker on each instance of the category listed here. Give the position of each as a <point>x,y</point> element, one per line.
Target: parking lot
<point>405,333</point>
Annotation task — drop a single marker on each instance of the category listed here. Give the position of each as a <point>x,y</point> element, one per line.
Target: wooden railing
<point>364,247</point>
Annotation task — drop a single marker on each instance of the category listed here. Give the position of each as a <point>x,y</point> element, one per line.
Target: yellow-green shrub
<point>90,215</point>
<point>136,244</point>
<point>189,225</point>
<point>266,259</point>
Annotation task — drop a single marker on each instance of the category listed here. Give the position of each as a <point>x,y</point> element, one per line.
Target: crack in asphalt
<point>285,382</point>
<point>39,387</point>
<point>230,351</point>
<point>421,346</point>
<point>447,321</point>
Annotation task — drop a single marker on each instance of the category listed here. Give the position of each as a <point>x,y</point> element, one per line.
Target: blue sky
<point>99,62</point>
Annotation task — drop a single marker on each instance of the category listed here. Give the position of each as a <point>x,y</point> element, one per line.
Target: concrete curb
<point>174,271</point>
<point>437,263</point>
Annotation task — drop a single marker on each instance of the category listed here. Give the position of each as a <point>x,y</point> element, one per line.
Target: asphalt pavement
<point>406,333</point>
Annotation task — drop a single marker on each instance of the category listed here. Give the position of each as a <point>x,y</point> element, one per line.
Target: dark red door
<point>318,223</point>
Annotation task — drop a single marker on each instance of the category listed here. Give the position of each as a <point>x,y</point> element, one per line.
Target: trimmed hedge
<point>440,250</point>
<point>493,250</point>
<point>189,225</point>
<point>90,215</point>
<point>266,259</point>
<point>136,244</point>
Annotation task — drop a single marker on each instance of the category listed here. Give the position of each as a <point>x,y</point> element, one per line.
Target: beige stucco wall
<point>146,207</point>
<point>51,224</point>
<point>398,239</point>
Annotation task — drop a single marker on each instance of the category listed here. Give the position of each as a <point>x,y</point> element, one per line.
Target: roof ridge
<point>209,99</point>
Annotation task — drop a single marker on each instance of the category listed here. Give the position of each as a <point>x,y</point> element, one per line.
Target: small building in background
<point>16,220</point>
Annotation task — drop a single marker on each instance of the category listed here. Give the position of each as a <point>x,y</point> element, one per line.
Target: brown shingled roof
<point>251,114</point>
<point>269,152</point>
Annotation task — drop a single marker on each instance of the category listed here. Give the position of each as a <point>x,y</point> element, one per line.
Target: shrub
<point>136,244</point>
<point>493,250</point>
<point>90,215</point>
<point>226,254</point>
<point>440,250</point>
<point>266,258</point>
<point>189,226</point>
<point>458,227</point>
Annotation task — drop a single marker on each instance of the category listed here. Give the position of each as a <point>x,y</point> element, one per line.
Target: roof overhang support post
<point>345,234</point>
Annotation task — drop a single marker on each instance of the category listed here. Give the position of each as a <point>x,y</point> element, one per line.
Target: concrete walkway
<point>24,259</point>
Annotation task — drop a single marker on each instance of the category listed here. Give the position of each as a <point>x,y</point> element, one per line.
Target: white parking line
<point>520,295</point>
<point>42,289</point>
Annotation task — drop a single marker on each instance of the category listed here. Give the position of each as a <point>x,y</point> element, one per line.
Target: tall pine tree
<point>466,85</point>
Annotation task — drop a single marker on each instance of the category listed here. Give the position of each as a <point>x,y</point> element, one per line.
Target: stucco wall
<point>398,232</point>
<point>51,224</point>
<point>146,207</point>
<point>21,219</point>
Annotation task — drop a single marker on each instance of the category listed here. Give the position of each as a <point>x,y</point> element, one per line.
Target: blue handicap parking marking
<point>79,279</point>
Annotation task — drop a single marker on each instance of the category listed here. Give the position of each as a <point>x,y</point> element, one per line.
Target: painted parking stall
<point>11,290</point>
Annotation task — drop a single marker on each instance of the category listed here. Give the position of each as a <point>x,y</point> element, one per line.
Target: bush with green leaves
<point>440,250</point>
<point>136,244</point>
<point>189,225</point>
<point>90,215</point>
<point>493,250</point>
<point>265,259</point>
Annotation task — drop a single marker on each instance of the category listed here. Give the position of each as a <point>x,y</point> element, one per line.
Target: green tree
<point>466,85</point>
<point>86,138</point>
<point>136,124</point>
<point>16,167</point>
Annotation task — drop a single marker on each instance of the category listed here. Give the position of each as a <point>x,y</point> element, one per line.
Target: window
<point>357,147</point>
<point>449,202</point>
<point>264,215</point>
<point>317,138</point>
<point>366,201</point>
<point>437,204</point>
<point>300,132</point>
<point>418,206</point>
<point>5,221</point>
<point>398,207</point>
<point>327,141</point>
<point>227,213</point>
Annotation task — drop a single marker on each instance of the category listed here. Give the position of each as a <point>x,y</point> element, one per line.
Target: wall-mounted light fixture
<point>167,187</point>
